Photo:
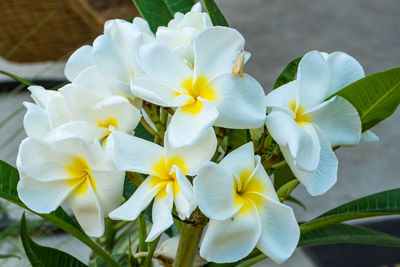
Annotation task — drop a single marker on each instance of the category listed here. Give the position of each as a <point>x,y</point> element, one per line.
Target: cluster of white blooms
<point>80,138</point>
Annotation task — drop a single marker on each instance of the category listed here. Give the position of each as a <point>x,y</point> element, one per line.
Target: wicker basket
<point>41,30</point>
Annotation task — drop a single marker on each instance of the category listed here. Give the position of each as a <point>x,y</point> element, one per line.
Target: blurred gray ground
<point>276,32</point>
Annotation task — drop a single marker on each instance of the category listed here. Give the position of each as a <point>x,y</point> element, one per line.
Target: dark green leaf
<point>129,188</point>
<point>282,176</point>
<point>141,132</point>
<point>384,203</point>
<point>375,97</point>
<point>288,73</point>
<point>155,12</point>
<point>182,6</point>
<point>237,138</point>
<point>215,13</point>
<point>40,256</point>
<point>345,233</point>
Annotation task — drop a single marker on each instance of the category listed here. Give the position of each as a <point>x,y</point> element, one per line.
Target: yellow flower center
<point>163,177</point>
<point>247,191</point>
<point>300,118</point>
<point>80,176</point>
<point>199,88</point>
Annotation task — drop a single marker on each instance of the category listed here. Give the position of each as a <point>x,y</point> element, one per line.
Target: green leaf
<point>286,189</point>
<point>141,132</point>
<point>155,12</point>
<point>384,203</point>
<point>375,97</point>
<point>296,201</point>
<point>237,138</point>
<point>288,73</point>
<point>40,256</point>
<point>160,12</point>
<point>345,233</point>
<point>282,176</point>
<point>9,178</point>
<point>182,6</point>
<point>215,13</point>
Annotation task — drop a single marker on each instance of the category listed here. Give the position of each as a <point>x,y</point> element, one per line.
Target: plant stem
<point>147,127</point>
<point>152,248</point>
<point>250,262</point>
<point>142,233</point>
<point>279,165</point>
<point>190,239</point>
<point>110,235</point>
<point>15,77</point>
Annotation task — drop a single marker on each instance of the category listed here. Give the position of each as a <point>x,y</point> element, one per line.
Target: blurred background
<point>36,37</point>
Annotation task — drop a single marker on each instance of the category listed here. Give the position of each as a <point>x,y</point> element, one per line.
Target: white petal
<point>183,194</point>
<point>139,201</point>
<point>189,126</point>
<point>110,58</point>
<point>314,77</point>
<point>345,70</point>
<point>162,94</point>
<point>161,64</point>
<point>283,97</point>
<point>194,155</point>
<point>36,121</point>
<point>239,160</point>
<point>109,188</point>
<point>58,112</point>
<point>214,188</point>
<point>369,137</point>
<point>94,81</point>
<point>80,102</point>
<point>240,101</point>
<point>232,239</point>
<point>213,60</point>
<point>134,154</point>
<point>302,141</point>
<point>78,129</point>
<point>338,120</point>
<point>144,27</point>
<point>42,197</point>
<point>161,213</point>
<point>259,182</point>
<point>42,96</point>
<point>78,61</point>
<point>118,110</point>
<point>88,211</point>
<point>38,160</point>
<point>280,231</point>
<point>324,177</point>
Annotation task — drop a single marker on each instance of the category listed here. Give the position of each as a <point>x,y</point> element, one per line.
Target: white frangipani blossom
<point>66,167</point>
<point>167,183</point>
<point>244,210</point>
<point>181,31</point>
<point>112,58</point>
<point>91,101</point>
<point>306,125</point>
<point>48,112</point>
<point>209,94</point>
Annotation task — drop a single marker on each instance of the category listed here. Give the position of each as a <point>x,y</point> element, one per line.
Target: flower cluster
<point>81,142</point>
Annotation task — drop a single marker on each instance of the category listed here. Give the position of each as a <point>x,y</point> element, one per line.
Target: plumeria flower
<point>167,183</point>
<point>94,103</point>
<point>112,58</point>
<point>244,210</point>
<point>65,167</point>
<point>209,94</point>
<point>48,112</point>
<point>181,31</point>
<point>306,125</point>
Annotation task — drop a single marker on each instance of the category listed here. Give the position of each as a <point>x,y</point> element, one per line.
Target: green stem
<point>110,235</point>
<point>17,78</point>
<point>250,262</point>
<point>190,239</point>
<point>147,127</point>
<point>134,178</point>
<point>279,165</point>
<point>152,248</point>
<point>142,233</point>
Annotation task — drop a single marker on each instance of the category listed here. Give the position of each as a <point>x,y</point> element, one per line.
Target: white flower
<point>244,210</point>
<point>209,94</point>
<point>94,102</point>
<point>112,58</point>
<point>166,183</point>
<point>69,168</point>
<point>181,32</point>
<point>306,125</point>
<point>49,112</point>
